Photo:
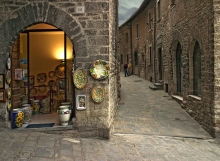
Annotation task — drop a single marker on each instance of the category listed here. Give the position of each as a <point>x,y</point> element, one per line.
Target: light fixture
<point>62,60</point>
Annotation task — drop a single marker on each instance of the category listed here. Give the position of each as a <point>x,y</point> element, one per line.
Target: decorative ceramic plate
<point>99,69</point>
<point>9,93</point>
<point>33,91</point>
<point>41,77</point>
<point>60,71</point>
<point>98,94</point>
<point>8,76</point>
<point>51,74</point>
<point>52,83</point>
<point>42,88</point>
<point>80,78</point>
<point>9,105</point>
<point>9,63</point>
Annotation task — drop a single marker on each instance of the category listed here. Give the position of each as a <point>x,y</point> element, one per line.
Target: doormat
<point>40,125</point>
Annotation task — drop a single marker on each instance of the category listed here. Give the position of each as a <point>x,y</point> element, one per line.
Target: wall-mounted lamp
<point>62,60</point>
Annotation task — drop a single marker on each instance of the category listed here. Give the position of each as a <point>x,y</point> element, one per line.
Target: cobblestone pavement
<point>149,126</point>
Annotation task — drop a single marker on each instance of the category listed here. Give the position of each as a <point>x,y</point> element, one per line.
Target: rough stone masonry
<point>92,28</point>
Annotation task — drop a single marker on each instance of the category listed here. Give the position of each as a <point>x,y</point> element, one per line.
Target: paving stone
<point>148,127</point>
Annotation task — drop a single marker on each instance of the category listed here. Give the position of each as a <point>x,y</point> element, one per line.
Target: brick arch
<point>42,12</point>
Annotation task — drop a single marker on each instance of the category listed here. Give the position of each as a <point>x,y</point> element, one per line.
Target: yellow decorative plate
<point>99,69</point>
<point>9,105</point>
<point>98,94</point>
<point>9,92</point>
<point>80,78</point>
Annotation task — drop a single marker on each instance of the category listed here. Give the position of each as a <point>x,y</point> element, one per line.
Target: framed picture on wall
<point>18,74</point>
<point>2,95</point>
<point>61,85</point>
<point>81,102</point>
<point>2,81</point>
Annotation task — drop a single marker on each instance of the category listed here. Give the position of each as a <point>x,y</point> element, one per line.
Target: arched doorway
<point>44,56</point>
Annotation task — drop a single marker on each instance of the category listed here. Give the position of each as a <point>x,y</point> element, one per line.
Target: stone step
<point>154,88</point>
<point>54,128</point>
<point>158,85</point>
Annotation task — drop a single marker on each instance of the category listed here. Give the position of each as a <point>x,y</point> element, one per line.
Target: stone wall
<point>185,22</point>
<point>216,111</point>
<point>140,44</point>
<point>189,22</point>
<point>94,35</point>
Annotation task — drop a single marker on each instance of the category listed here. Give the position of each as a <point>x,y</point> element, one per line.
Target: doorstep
<point>54,128</point>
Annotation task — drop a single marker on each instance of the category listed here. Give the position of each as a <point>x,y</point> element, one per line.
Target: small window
<point>137,31</point>
<point>158,10</point>
<point>126,37</point>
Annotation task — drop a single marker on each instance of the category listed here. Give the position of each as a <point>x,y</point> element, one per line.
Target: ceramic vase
<point>66,104</point>
<point>36,106</point>
<point>64,114</point>
<point>17,118</point>
<point>28,112</point>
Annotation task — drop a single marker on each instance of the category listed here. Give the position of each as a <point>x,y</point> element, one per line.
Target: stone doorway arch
<point>31,14</point>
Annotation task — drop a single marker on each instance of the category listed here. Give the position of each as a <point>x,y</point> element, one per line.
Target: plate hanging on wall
<point>60,71</point>
<point>41,77</point>
<point>9,105</point>
<point>8,76</point>
<point>99,69</point>
<point>80,78</point>
<point>33,91</point>
<point>9,63</point>
<point>42,88</point>
<point>51,74</point>
<point>98,94</point>
<point>9,93</point>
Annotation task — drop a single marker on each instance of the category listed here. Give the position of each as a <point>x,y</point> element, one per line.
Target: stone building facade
<point>185,54</point>
<point>92,28</point>
<point>137,41</point>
